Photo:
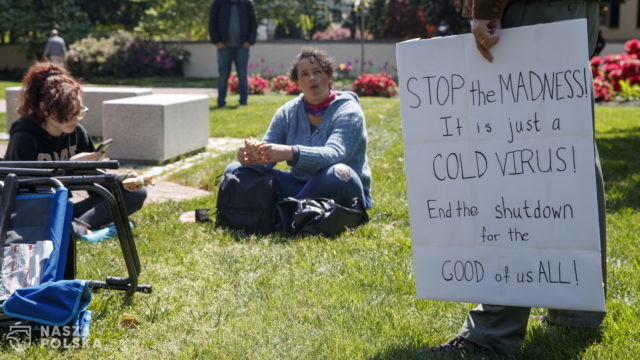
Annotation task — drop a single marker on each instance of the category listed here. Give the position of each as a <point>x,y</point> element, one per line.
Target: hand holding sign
<point>486,33</point>
<point>500,167</point>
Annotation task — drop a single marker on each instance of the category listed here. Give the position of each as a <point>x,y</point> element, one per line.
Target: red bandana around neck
<point>318,110</point>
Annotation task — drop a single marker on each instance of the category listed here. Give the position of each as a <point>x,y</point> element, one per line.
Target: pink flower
<point>381,84</point>
<point>232,83</point>
<point>632,47</point>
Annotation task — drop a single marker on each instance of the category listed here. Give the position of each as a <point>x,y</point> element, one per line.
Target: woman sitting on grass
<point>321,135</point>
<point>48,130</point>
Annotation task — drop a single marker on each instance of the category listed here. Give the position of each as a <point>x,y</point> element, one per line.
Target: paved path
<point>164,190</point>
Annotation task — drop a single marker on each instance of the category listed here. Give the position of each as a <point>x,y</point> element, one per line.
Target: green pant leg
<point>523,12</point>
<point>503,328</point>
<point>499,328</point>
<point>589,318</point>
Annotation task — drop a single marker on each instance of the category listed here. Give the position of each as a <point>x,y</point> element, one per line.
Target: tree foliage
<point>414,18</point>
<point>29,22</point>
<point>307,16</point>
<point>445,10</point>
<point>111,15</point>
<point>175,20</point>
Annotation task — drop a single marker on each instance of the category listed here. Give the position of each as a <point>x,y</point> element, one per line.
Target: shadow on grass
<point>402,353</point>
<point>546,342</point>
<point>226,107</point>
<point>621,170</point>
<point>558,342</point>
<point>407,353</point>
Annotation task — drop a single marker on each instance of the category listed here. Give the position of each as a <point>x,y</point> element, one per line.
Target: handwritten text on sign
<point>500,168</point>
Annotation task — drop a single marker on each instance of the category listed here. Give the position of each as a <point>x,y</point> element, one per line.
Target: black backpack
<point>247,201</point>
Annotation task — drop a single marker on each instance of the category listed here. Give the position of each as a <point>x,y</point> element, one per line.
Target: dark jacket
<point>219,15</point>
<point>30,142</point>
<point>484,9</point>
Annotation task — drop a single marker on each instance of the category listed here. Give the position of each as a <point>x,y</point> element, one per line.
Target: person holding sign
<point>49,129</point>
<point>493,328</point>
<point>320,134</point>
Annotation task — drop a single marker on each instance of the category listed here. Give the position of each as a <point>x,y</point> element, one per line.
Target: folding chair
<point>44,178</point>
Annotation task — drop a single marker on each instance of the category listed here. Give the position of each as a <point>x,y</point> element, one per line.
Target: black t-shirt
<point>30,142</point>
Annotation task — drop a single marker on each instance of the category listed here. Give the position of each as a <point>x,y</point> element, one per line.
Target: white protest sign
<point>500,168</point>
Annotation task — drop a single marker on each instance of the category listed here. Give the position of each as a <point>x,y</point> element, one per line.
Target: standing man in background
<point>55,49</point>
<point>233,29</point>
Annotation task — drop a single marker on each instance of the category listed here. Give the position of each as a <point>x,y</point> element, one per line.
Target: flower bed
<point>381,84</point>
<point>365,85</point>
<point>123,55</point>
<point>283,84</point>
<point>257,84</point>
<point>617,77</point>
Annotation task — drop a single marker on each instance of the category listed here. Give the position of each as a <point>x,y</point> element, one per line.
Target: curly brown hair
<point>315,56</point>
<point>52,86</point>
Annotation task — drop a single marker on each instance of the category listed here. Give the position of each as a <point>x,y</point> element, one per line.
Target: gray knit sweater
<point>341,137</point>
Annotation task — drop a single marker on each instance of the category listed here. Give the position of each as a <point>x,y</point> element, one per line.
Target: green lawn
<point>156,82</point>
<point>3,116</point>
<point>6,84</point>
<point>221,295</point>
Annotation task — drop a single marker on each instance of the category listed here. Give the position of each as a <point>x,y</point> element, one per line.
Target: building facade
<point>621,22</point>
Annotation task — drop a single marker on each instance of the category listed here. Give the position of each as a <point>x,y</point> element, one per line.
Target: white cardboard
<point>465,167</point>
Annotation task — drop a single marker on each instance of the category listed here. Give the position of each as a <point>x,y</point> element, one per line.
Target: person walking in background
<point>501,329</point>
<point>55,49</point>
<point>233,28</point>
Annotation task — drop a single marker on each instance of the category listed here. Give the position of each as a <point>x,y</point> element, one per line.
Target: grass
<point>221,294</point>
<point>158,81</point>
<point>3,116</point>
<point>238,121</point>
<point>6,84</point>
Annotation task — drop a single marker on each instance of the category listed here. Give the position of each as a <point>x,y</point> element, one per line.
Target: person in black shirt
<point>49,130</point>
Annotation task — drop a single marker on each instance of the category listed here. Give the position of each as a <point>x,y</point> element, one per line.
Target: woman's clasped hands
<point>264,153</point>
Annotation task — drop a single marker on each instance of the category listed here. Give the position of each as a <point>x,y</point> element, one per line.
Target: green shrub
<point>123,55</point>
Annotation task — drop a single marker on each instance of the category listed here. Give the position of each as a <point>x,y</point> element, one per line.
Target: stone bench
<point>12,96</point>
<point>93,98</point>
<point>154,129</point>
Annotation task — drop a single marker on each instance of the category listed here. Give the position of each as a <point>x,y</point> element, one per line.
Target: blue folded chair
<point>37,270</point>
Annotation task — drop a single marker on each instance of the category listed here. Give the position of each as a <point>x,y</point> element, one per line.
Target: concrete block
<point>93,98</point>
<point>155,128</point>
<point>12,96</point>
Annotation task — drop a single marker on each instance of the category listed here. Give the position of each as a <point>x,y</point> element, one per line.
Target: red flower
<point>232,83</point>
<point>257,84</point>
<point>632,47</point>
<point>375,85</point>
<point>282,83</point>
<point>602,90</point>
